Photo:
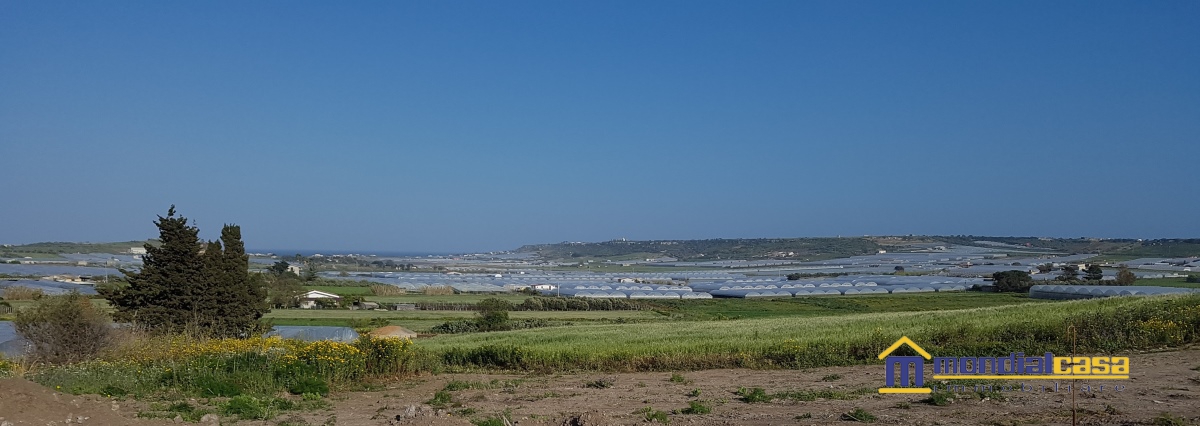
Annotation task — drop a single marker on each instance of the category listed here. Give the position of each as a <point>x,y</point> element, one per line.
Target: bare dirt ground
<point>1164,387</point>
<point>26,403</point>
<point>1164,382</point>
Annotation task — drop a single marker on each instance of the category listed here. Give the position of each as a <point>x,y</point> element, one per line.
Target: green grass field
<point>422,321</point>
<point>1168,282</point>
<point>801,342</point>
<point>836,305</point>
<point>660,310</point>
<point>451,298</point>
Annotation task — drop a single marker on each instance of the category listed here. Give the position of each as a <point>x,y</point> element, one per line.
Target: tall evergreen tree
<point>242,301</point>
<point>162,295</point>
<point>187,284</point>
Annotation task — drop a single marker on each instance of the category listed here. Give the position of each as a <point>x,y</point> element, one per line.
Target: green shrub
<point>754,395</point>
<point>441,399</point>
<point>652,415</point>
<point>696,407</point>
<point>456,327</point>
<point>493,315</point>
<point>677,378</point>
<point>940,398</point>
<point>493,356</point>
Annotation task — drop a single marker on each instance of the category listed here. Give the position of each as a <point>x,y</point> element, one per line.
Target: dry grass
<point>438,290</point>
<point>21,293</point>
<point>387,290</point>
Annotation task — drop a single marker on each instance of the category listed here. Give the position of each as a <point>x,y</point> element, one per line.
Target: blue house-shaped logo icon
<point>901,365</point>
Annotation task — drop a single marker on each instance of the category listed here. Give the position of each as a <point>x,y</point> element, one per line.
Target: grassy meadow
<point>422,321</point>
<point>1180,282</point>
<point>1112,324</point>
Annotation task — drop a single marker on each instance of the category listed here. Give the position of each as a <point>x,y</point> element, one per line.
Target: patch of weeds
<point>212,387</point>
<point>903,405</point>
<point>696,407</point>
<point>441,399</point>
<point>641,384</point>
<point>1112,411</point>
<point>464,412</point>
<point>168,411</point>
<point>503,419</point>
<point>309,385</point>
<point>542,396</point>
<point>992,394</point>
<point>293,421</point>
<point>831,378</point>
<point>678,378</point>
<point>695,393</point>
<point>754,395</point>
<point>803,416</point>
<point>307,404</point>
<point>251,408</point>
<point>110,390</point>
<point>940,398</point>
<point>813,395</point>
<point>859,415</point>
<point>603,383</point>
<point>490,421</point>
<point>652,414</point>
<point>1168,419</point>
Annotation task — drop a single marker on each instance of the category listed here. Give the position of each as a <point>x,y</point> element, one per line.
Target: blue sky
<point>456,126</point>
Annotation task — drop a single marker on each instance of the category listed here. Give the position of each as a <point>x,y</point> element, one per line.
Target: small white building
<point>309,300</point>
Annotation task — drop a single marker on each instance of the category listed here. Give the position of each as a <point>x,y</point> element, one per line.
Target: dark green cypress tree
<point>184,287</point>
<point>162,295</point>
<point>245,300</point>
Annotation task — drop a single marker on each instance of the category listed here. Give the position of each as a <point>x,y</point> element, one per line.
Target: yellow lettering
<point>1120,365</point>
<point>1082,366</point>
<point>1062,365</point>
<point>1100,365</point>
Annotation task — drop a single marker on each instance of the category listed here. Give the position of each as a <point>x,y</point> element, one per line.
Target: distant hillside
<point>52,249</point>
<point>829,248</point>
<point>757,248</point>
<point>1174,247</point>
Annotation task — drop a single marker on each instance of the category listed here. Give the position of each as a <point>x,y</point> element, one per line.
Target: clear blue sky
<point>484,125</point>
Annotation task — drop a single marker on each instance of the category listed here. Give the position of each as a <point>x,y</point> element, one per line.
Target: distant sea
<point>310,252</point>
